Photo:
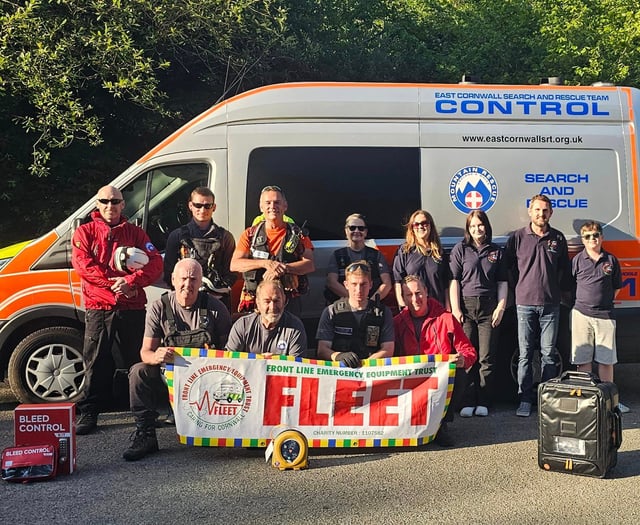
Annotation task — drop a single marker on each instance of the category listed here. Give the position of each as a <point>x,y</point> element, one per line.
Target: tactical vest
<point>290,251</point>
<point>198,338</point>
<point>203,251</point>
<point>342,258</point>
<point>350,336</point>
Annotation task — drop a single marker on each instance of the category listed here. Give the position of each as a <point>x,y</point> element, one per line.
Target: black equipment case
<point>580,427</point>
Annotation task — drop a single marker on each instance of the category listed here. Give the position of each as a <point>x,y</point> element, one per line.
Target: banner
<point>234,399</point>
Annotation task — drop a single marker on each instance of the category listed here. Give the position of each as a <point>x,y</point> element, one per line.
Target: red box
<point>49,424</point>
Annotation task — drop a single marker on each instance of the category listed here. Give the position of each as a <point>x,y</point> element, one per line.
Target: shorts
<point>592,339</point>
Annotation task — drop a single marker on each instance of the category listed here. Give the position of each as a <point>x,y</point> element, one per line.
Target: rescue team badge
<point>473,188</point>
<point>607,268</point>
<point>217,396</point>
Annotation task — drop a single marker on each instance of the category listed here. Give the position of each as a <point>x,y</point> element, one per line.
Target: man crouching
<point>356,327</point>
<point>184,317</point>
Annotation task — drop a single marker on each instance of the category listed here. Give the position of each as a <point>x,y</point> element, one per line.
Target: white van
<point>383,150</point>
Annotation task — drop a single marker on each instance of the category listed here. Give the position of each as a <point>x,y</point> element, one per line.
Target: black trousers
<point>478,313</point>
<point>100,361</point>
<point>147,390</point>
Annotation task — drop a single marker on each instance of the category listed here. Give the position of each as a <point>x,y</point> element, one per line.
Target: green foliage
<point>592,40</point>
<point>73,72</point>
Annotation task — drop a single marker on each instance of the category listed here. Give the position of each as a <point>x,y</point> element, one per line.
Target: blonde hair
<point>433,239</point>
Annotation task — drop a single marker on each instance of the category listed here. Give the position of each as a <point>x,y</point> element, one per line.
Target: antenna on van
<point>551,81</point>
<point>468,78</point>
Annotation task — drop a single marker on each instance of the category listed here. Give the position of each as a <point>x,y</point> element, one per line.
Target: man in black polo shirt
<point>538,257</point>
<point>593,324</point>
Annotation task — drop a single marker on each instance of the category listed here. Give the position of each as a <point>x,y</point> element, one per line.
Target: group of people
<point>449,305</point>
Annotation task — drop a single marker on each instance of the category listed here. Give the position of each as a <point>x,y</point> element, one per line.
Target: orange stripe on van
<point>623,249</point>
<point>302,85</point>
<point>25,258</point>
<point>634,160</point>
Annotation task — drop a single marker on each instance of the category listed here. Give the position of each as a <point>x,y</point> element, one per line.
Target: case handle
<point>587,377</point>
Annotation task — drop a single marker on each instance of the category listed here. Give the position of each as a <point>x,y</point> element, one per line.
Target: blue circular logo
<point>473,188</point>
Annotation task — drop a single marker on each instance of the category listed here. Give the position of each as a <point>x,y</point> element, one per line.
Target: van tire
<point>47,366</point>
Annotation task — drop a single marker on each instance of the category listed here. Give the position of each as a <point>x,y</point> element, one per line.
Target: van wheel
<point>47,366</point>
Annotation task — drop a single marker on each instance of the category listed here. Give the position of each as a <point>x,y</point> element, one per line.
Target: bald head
<point>110,204</point>
<point>187,279</point>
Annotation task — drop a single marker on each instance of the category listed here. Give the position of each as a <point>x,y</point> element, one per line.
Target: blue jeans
<point>537,332</point>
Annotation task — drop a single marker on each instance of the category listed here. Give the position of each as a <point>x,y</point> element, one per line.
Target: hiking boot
<point>443,437</point>
<point>143,442</point>
<point>87,423</point>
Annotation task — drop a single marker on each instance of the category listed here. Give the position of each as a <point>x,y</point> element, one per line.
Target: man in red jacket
<point>425,327</point>
<point>113,295</point>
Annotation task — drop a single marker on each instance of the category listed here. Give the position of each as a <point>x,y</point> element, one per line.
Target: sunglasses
<point>110,201</point>
<point>353,267</point>
<point>353,228</point>
<point>205,205</point>
<point>423,224</point>
<point>589,236</point>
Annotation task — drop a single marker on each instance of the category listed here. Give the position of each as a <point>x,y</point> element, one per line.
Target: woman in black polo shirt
<point>422,255</point>
<point>478,295</point>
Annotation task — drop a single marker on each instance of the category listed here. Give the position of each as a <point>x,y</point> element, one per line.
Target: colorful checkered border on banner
<point>313,443</point>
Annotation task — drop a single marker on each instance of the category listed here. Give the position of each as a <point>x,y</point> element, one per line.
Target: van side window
<point>325,184</point>
<point>157,199</point>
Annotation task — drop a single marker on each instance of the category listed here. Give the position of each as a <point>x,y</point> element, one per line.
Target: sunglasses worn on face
<point>110,201</point>
<point>589,236</point>
<point>423,224</point>
<point>205,205</point>
<point>354,228</point>
<point>358,266</point>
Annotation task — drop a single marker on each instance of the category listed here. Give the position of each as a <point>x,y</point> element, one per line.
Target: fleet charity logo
<point>217,397</point>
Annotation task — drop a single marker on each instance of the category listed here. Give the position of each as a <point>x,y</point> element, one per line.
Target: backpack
<point>198,338</point>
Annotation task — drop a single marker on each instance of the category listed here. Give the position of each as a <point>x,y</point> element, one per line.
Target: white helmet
<point>129,259</point>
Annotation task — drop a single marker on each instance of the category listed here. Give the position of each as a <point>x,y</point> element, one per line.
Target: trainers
<point>524,410</point>
<point>171,419</point>
<point>144,442</point>
<point>443,438</point>
<point>466,412</point>
<point>87,423</point>
<point>623,408</point>
<point>481,411</point>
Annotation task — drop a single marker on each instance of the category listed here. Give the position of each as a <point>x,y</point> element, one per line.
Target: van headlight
<point>4,262</point>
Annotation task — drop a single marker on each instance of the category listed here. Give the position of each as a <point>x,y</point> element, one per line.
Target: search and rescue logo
<point>473,188</point>
<point>217,397</point>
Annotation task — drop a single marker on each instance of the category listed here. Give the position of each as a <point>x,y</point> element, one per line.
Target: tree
<point>592,40</point>
<point>71,69</point>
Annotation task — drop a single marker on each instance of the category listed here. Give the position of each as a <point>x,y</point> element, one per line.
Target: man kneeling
<point>184,317</point>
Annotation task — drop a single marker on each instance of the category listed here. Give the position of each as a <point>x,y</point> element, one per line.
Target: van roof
<point>379,101</point>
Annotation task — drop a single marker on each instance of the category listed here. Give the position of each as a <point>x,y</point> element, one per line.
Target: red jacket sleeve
<point>84,262</point>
